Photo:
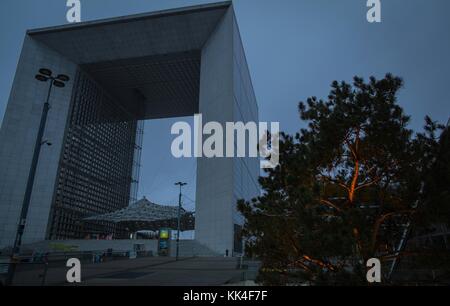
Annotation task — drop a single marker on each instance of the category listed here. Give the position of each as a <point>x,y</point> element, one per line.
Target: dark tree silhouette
<point>345,188</point>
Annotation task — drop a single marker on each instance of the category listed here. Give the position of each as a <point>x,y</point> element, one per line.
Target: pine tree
<point>344,189</point>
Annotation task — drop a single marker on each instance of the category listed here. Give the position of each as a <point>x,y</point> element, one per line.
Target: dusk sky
<point>294,49</point>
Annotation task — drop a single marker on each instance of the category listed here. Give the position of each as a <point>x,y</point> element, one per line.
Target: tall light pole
<point>58,81</point>
<point>179,217</point>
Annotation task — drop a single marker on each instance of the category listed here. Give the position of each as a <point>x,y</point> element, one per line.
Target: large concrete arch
<point>161,64</point>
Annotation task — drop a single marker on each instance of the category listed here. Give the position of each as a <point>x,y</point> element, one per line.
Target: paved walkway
<point>150,271</point>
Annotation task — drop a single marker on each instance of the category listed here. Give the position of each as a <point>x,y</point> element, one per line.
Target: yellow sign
<point>164,234</point>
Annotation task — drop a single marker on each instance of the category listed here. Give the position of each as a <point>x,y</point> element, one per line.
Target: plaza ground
<point>146,271</point>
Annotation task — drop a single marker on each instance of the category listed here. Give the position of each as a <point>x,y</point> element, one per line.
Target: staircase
<point>191,248</point>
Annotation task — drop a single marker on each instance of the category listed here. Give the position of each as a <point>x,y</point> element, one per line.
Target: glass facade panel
<point>96,167</point>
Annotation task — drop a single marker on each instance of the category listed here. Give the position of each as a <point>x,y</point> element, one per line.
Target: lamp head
<point>63,77</point>
<point>58,83</point>
<point>41,78</point>
<point>45,71</point>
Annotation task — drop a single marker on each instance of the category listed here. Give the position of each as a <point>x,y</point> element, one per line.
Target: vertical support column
<point>18,135</point>
<point>214,207</point>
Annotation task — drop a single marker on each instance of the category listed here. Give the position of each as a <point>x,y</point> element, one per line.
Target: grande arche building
<point>124,70</point>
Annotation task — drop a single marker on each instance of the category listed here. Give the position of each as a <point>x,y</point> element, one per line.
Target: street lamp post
<point>179,218</point>
<point>58,81</point>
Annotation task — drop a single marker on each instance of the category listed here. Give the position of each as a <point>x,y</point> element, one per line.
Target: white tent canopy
<point>141,211</point>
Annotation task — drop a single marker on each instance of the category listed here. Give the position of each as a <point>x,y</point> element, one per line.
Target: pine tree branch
<point>331,180</point>
<point>326,202</point>
<point>380,221</point>
<point>376,180</point>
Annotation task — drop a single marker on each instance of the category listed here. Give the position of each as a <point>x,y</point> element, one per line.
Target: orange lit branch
<point>380,221</point>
